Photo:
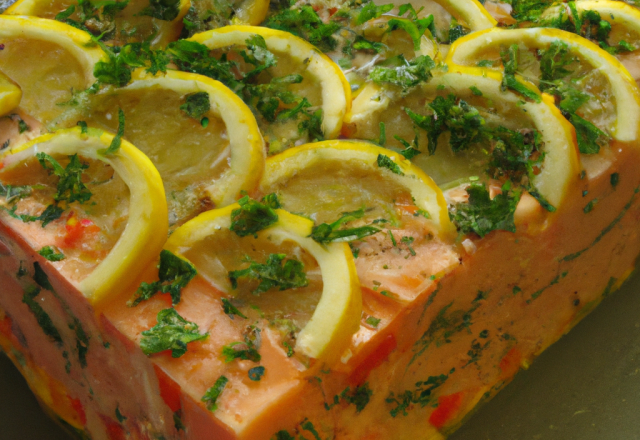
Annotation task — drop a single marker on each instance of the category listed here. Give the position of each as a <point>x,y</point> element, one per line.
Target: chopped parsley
<point>461,120</point>
<point>515,155</point>
<point>372,321</point>
<point>97,18</point>
<point>172,332</point>
<point>421,395</point>
<point>177,421</point>
<point>43,319</point>
<point>194,57</point>
<point>230,310</point>
<point>402,73</point>
<point>84,129</point>
<point>82,341</point>
<point>51,253</point>
<point>253,216</point>
<point>483,214</point>
<point>477,348</point>
<point>415,27</point>
<point>306,425</point>
<point>11,193</point>
<point>213,393</point>
<point>275,273</point>
<point>359,397</point>
<point>554,68</point>
<point>359,43</point>
<point>70,186</point>
<point>590,25</point>
<point>196,105</point>
<point>590,138</point>
<point>51,213</point>
<point>331,232</point>
<point>114,146</point>
<point>256,373</point>
<point>22,126</point>
<point>259,56</point>
<point>119,417</point>
<point>589,207</point>
<point>456,31</point>
<point>166,10</point>
<point>388,163</point>
<point>121,62</point>
<point>408,241</point>
<point>509,80</point>
<point>174,273</point>
<point>410,150</point>
<point>247,350</point>
<point>614,179</point>
<point>305,23</point>
<point>267,98</point>
<point>528,10</point>
<point>370,11</point>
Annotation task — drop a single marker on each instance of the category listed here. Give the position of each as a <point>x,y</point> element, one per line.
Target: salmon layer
<point>414,375</point>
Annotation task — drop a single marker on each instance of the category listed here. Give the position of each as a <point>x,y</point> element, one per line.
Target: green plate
<point>585,387</point>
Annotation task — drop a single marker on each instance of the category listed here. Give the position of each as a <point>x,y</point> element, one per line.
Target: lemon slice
<point>606,74</point>
<point>48,60</point>
<point>482,90</point>
<point>624,35</point>
<point>10,95</point>
<point>139,240</point>
<point>204,161</point>
<point>327,179</point>
<point>295,163</point>
<point>139,20</point>
<point>209,244</point>
<point>324,84</point>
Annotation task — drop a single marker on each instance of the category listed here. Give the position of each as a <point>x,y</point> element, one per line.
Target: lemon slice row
<point>135,23</point>
<point>147,27</point>
<point>146,228</point>
<point>337,314</point>
<point>181,149</point>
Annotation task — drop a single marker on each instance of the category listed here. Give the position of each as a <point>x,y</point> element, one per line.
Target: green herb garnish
<point>388,163</point>
<point>331,232</point>
<point>482,214</point>
<point>51,253</point>
<point>172,332</point>
<point>174,274</point>
<point>230,310</point>
<point>196,105</point>
<point>275,273</point>
<point>213,393</point>
<point>402,73</point>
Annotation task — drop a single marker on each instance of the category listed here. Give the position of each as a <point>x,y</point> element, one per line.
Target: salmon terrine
<point>315,220</point>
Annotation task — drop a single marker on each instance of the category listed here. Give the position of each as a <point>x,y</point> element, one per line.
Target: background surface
<point>585,387</point>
